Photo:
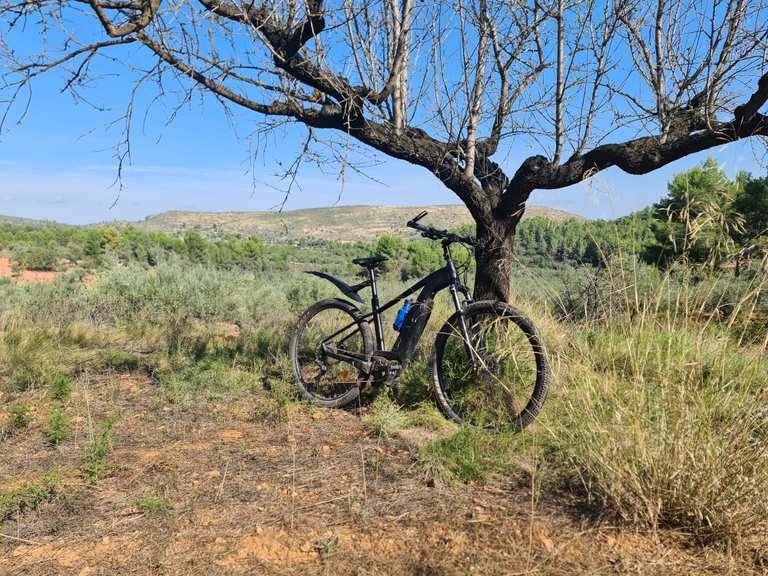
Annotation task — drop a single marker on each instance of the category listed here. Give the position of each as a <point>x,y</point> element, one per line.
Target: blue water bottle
<point>401,314</point>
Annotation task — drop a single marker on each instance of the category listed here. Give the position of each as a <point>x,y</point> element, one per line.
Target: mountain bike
<point>489,365</point>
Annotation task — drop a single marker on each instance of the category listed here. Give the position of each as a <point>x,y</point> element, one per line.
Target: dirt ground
<point>25,276</point>
<point>304,491</point>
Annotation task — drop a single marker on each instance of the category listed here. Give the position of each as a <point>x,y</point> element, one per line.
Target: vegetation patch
<point>469,455</point>
<point>27,359</point>
<point>59,425</point>
<point>154,503</point>
<point>206,379</point>
<point>19,416</point>
<point>95,464</point>
<point>385,417</point>
<point>60,387</point>
<point>121,361</point>
<point>29,495</point>
<point>666,426</point>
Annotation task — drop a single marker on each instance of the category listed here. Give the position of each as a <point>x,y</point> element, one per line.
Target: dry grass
<point>661,412</point>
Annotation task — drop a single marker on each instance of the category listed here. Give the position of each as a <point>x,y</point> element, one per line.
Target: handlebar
<point>437,234</point>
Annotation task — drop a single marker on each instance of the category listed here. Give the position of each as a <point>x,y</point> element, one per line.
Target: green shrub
<point>40,258</point>
<point>28,495</point>
<point>19,416</point>
<point>95,464</point>
<point>59,425</point>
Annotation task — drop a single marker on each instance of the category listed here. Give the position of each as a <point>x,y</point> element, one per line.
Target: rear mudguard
<point>349,291</point>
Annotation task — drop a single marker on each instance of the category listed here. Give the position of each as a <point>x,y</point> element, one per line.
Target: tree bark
<point>493,256</point>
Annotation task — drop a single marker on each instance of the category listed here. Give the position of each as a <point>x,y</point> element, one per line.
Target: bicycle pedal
<point>393,371</point>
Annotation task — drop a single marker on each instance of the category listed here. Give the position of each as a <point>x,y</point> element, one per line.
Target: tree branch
<point>638,156</point>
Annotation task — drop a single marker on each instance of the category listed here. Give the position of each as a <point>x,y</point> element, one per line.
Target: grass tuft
<point>665,425</point>
<point>385,415</point>
<point>19,417</point>
<point>95,465</point>
<point>469,455</point>
<point>28,495</point>
<point>59,425</point>
<point>60,387</point>
<point>154,503</point>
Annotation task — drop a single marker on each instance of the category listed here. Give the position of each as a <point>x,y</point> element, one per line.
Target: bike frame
<point>415,321</point>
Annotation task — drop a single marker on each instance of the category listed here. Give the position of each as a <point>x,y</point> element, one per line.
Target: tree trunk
<point>495,238</point>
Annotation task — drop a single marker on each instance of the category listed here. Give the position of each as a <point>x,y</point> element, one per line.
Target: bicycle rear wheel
<point>322,379</point>
<point>499,379</point>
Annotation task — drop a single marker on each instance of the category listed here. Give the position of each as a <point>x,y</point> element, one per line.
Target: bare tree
<point>577,86</point>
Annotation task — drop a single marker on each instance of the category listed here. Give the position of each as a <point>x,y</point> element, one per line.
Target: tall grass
<point>663,410</point>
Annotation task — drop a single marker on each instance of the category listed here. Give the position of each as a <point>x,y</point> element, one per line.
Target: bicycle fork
<point>463,326</point>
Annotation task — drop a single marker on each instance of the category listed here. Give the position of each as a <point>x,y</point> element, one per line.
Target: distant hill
<point>347,223</point>
<point>14,220</point>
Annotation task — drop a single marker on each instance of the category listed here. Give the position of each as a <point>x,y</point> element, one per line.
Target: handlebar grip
<point>418,217</point>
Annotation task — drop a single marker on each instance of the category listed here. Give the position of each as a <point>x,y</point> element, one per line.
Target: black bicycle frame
<point>415,321</point>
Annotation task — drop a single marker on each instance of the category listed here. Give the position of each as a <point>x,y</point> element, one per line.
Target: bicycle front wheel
<point>493,373</point>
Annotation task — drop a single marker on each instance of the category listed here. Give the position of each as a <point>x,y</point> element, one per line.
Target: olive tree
<point>566,87</point>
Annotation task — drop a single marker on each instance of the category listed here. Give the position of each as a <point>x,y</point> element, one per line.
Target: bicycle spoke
<point>489,380</point>
<point>321,374</point>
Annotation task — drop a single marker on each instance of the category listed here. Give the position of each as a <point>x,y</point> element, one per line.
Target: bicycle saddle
<point>370,262</point>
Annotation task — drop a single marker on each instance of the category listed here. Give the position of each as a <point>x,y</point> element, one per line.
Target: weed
<point>385,416</point>
<point>154,503</point>
<point>95,464</point>
<point>59,387</point>
<point>326,545</point>
<point>28,495</point>
<point>19,416</point>
<point>59,425</point>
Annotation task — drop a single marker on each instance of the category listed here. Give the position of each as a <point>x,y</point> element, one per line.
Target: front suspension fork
<point>463,323</point>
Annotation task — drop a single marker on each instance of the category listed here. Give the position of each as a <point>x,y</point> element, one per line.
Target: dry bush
<point>663,416</point>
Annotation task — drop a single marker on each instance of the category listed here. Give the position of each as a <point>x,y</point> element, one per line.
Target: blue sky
<point>59,164</point>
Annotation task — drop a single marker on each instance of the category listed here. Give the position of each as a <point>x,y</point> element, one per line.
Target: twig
<point>323,502</point>
<point>23,540</point>
<point>223,480</point>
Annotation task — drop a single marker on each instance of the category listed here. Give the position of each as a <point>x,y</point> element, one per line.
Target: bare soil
<point>25,276</point>
<point>259,490</point>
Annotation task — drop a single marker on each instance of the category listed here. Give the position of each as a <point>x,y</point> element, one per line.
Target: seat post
<point>375,309</point>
